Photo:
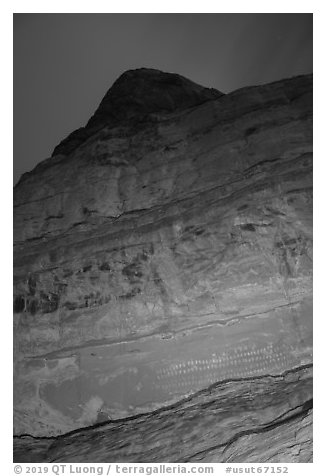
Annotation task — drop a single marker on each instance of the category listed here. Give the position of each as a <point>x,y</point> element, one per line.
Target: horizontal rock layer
<point>266,420</point>
<point>169,250</point>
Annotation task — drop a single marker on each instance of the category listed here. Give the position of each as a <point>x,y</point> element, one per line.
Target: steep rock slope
<point>136,94</point>
<point>164,247</point>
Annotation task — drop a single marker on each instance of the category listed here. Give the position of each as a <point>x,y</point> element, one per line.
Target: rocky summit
<point>163,279</point>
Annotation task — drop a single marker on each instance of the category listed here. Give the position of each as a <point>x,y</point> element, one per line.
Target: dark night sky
<point>65,63</point>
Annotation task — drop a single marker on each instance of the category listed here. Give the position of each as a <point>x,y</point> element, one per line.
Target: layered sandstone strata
<point>254,420</point>
<point>164,247</point>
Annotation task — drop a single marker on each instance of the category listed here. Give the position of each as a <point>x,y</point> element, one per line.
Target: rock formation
<point>163,278</point>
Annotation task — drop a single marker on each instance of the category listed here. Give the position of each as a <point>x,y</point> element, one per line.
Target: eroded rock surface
<point>166,247</point>
<point>261,420</point>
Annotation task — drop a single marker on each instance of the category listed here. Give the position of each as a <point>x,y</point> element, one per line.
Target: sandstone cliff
<point>165,247</point>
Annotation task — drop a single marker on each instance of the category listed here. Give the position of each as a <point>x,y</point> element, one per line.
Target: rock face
<point>206,428</point>
<point>134,96</point>
<point>166,247</point>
